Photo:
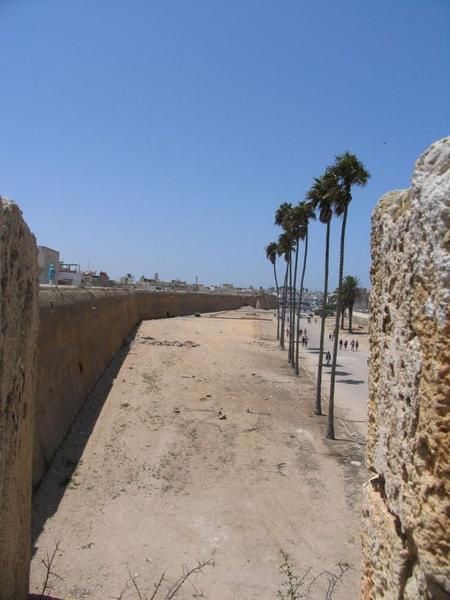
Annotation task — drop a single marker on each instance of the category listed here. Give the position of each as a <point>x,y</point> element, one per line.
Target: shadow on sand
<point>48,495</point>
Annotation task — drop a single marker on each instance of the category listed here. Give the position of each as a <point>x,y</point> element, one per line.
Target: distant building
<point>363,302</point>
<point>179,286</point>
<point>69,274</point>
<point>92,279</point>
<point>47,257</point>
<point>153,284</point>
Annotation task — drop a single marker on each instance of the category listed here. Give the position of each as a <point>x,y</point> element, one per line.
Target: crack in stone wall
<point>406,502</point>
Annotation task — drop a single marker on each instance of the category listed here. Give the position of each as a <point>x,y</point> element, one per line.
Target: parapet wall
<point>406,503</point>
<point>80,332</point>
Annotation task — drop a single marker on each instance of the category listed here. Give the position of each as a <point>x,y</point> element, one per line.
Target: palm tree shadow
<point>49,493</point>
<point>351,381</point>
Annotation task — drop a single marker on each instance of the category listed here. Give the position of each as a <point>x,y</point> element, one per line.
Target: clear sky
<point>144,136</point>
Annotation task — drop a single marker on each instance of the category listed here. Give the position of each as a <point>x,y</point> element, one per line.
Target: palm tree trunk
<point>293,328</point>
<point>283,308</point>
<point>290,306</point>
<point>350,318</point>
<point>342,316</point>
<point>318,407</point>
<point>305,256</point>
<point>278,301</point>
<point>330,429</point>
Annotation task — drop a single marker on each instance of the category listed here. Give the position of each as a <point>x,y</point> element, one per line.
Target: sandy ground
<point>203,450</point>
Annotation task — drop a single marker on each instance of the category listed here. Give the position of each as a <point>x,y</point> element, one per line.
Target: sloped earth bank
<point>203,449</point>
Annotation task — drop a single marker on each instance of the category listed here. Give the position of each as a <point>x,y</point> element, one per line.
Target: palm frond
<point>271,252</point>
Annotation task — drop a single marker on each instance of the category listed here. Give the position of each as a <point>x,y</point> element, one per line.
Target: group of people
<point>354,345</point>
<point>303,336</point>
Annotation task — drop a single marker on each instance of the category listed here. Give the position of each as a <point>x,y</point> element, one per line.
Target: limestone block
<point>409,381</point>
<point>18,341</point>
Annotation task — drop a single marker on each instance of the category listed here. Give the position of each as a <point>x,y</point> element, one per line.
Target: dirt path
<point>203,450</point>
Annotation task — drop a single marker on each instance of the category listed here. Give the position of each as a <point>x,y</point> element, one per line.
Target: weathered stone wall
<point>406,507</point>
<point>18,333</point>
<point>80,332</point>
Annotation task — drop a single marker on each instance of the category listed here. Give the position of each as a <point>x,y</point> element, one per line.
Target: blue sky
<point>149,136</point>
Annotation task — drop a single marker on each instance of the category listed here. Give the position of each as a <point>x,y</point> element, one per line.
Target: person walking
<point>352,344</point>
<point>328,358</point>
<point>345,345</point>
<point>356,345</point>
<point>51,274</point>
<point>340,344</point>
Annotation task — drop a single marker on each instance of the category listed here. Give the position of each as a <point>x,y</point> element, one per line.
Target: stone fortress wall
<point>54,345</point>
<point>80,332</point>
<point>406,505</point>
<point>18,336</point>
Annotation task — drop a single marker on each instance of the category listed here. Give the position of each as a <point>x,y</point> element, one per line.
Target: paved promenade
<point>351,376</point>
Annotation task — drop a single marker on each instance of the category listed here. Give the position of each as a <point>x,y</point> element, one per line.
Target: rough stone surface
<point>406,504</point>
<point>18,331</point>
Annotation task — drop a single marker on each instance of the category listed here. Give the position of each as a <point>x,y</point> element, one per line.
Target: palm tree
<point>291,227</point>
<point>321,197</point>
<point>306,214</point>
<point>271,254</point>
<point>285,246</point>
<point>282,215</point>
<point>349,171</point>
<point>351,292</point>
<point>282,219</point>
<point>298,233</point>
